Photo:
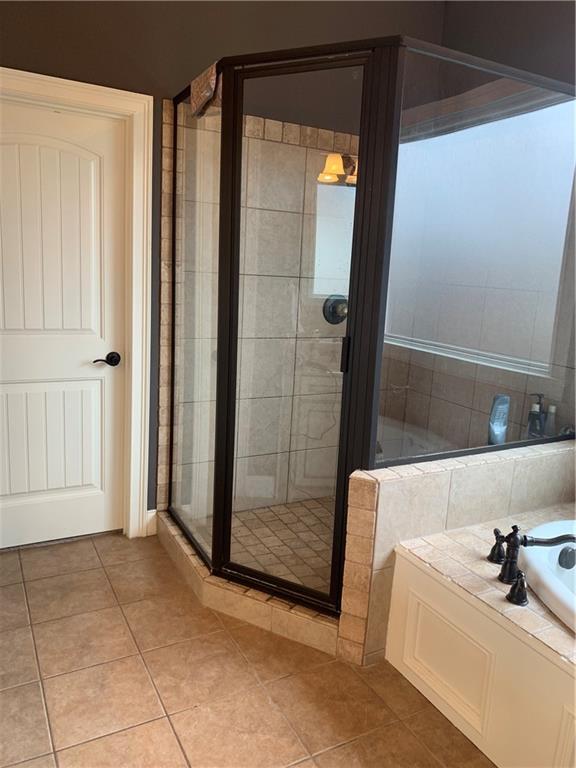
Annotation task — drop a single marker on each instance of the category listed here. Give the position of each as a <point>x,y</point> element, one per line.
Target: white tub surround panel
<point>492,668</point>
<point>390,505</point>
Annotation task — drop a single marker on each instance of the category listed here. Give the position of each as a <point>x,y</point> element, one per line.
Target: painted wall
<point>157,47</point>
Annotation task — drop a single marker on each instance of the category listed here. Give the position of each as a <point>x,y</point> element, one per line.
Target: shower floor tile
<point>292,541</point>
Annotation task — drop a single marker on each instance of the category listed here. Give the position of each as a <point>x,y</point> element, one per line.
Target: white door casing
<point>75,284</point>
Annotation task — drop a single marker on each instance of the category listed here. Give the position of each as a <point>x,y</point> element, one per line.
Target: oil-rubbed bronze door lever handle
<point>112,358</point>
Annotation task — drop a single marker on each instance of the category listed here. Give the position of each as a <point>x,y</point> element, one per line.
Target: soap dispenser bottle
<point>550,423</point>
<point>535,426</point>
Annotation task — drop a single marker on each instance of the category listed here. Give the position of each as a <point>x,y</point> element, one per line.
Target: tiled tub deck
<point>460,556</point>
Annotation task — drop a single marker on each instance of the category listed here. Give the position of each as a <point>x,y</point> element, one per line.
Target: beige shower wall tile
<point>266,367</point>
<point>275,174</point>
<point>352,628</point>
<point>270,307</point>
<point>202,168</point>
<point>261,481</point>
<point>315,421</point>
<point>359,549</point>
<point>423,501</point>
<point>273,130</point>
<point>198,438</point>
<point>201,224</point>
<point>542,481</point>
<point>254,127</point>
<point>356,575</point>
<point>362,491</point>
<point>355,602</point>
<point>361,522</point>
<point>291,133</point>
<point>200,307</point>
<point>312,473</point>
<point>350,651</point>
<point>378,610</point>
<point>272,243</point>
<point>479,493</point>
<point>263,426</point>
<point>449,421</point>
<point>317,366</point>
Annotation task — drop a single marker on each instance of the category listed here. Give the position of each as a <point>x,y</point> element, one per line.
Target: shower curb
<point>281,617</point>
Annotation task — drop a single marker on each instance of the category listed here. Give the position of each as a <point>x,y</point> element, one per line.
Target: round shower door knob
<point>112,358</point>
<point>335,309</point>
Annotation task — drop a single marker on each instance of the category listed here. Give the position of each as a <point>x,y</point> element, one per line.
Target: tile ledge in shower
<point>276,615</point>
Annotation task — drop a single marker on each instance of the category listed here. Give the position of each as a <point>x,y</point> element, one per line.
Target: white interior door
<point>63,246</point>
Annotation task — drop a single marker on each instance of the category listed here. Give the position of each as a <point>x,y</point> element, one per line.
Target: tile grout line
<point>143,660</point>
<point>40,681</point>
<point>263,686</point>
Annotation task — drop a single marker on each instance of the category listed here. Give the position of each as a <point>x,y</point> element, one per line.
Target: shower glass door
<point>297,197</point>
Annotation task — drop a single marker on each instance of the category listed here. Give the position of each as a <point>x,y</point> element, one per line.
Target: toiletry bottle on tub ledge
<point>535,426</point>
<point>498,424</point>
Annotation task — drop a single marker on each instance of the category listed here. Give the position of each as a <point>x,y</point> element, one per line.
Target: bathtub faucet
<point>514,540</point>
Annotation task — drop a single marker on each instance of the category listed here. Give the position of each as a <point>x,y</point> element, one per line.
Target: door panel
<point>61,307</point>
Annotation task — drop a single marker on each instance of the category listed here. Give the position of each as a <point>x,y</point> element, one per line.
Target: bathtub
<point>554,585</point>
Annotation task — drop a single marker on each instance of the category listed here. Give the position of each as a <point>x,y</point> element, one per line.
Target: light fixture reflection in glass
<point>353,175</point>
<point>333,168</point>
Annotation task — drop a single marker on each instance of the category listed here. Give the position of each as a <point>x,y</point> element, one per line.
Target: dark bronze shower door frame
<point>359,347</point>
<point>383,62</point>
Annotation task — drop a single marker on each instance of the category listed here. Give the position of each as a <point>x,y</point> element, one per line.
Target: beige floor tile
<point>10,571</point>
<point>17,658</point>
<point>13,611</point>
<point>66,595</point>
<point>47,761</point>
<point>273,656</point>
<point>100,700</point>
<point>56,559</point>
<point>163,621</point>
<point>152,745</point>
<point>83,640</point>
<point>243,731</point>
<point>230,621</point>
<point>392,746</point>
<point>329,705</point>
<point>445,741</point>
<point>23,726</point>
<point>115,548</point>
<point>143,579</point>
<point>196,671</point>
<point>394,689</point>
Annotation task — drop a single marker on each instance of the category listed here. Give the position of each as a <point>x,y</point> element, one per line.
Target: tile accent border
<point>388,506</point>
<point>166,277</point>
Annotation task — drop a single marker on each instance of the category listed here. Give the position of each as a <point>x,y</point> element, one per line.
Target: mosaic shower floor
<point>292,541</point>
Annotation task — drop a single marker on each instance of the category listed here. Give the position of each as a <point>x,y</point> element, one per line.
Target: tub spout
<point>530,541</point>
<point>514,540</point>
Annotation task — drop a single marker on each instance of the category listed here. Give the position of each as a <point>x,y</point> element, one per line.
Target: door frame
<point>379,130</point>
<point>136,111</point>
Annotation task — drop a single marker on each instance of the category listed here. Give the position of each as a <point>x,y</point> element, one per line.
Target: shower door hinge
<point>345,354</point>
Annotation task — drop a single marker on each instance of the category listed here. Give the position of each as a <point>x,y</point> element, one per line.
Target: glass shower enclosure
<point>371,242</point>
